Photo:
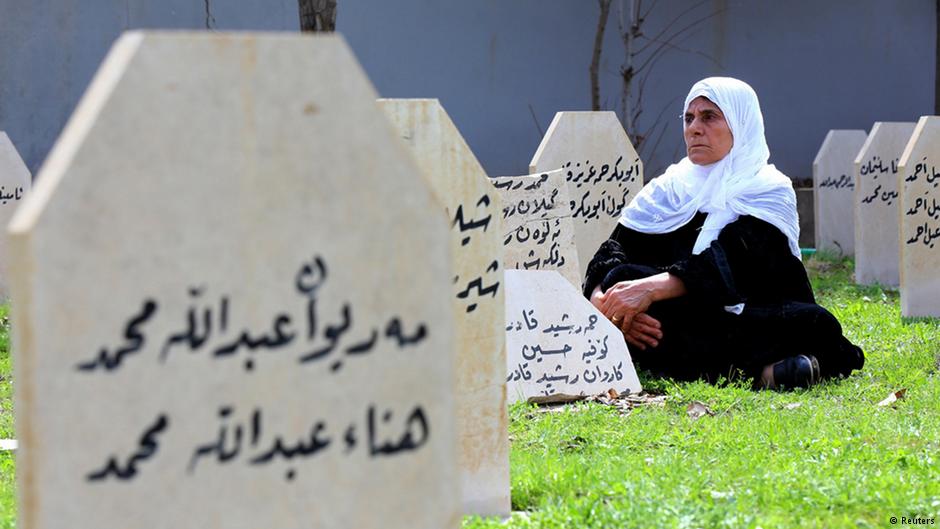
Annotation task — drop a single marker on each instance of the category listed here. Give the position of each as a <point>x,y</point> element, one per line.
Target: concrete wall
<point>815,65</point>
<point>502,68</point>
<point>50,49</point>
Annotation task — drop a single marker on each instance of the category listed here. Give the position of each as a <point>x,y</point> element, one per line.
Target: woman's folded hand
<point>645,331</point>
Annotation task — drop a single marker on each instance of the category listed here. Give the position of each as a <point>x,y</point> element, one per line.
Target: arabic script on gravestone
<point>563,365</point>
<point>925,208</point>
<point>540,227</point>
<point>585,205</point>
<point>315,341</point>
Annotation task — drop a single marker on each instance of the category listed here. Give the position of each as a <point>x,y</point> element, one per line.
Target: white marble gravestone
<point>474,208</point>
<point>15,182</point>
<point>231,306</point>
<point>559,344</point>
<point>537,228</point>
<point>877,251</point>
<point>834,188</point>
<point>602,168</point>
<point>919,178</point>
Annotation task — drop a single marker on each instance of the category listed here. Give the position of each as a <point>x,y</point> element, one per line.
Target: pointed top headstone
<point>474,208</point>
<point>877,200</point>
<point>834,188</point>
<point>602,168</point>
<point>558,344</point>
<point>919,172</point>
<point>229,308</point>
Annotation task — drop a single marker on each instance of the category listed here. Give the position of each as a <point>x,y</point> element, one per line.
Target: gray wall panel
<point>815,65</point>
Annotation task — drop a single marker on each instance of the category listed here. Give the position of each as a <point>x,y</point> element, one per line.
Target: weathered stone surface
<point>558,344</point>
<point>919,172</point>
<point>228,284</point>
<point>537,228</point>
<point>15,183</point>
<point>834,186</point>
<point>602,168</point>
<point>877,250</point>
<point>474,208</point>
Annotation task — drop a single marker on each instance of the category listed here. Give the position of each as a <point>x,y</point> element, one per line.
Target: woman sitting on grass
<point>703,272</point>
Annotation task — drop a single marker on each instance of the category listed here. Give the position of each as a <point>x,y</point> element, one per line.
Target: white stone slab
<point>8,444</point>
<point>231,289</point>
<point>834,187</point>
<point>15,183</point>
<point>474,208</point>
<point>558,344</point>
<point>602,168</point>
<point>919,173</point>
<point>537,228</point>
<point>877,202</point>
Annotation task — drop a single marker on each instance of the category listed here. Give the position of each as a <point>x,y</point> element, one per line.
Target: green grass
<point>836,460</point>
<point>7,485</point>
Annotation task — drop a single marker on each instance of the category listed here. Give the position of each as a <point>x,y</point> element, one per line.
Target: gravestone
<point>602,168</point>
<point>474,208</point>
<point>834,187</point>
<point>537,228</point>
<point>15,182</point>
<point>558,343</point>
<point>877,250</point>
<point>229,309</point>
<point>919,172</point>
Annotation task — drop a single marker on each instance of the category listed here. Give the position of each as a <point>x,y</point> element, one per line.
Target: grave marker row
<point>255,360</point>
<point>895,207</point>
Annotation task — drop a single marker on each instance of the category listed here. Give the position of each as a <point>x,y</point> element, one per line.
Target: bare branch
<point>650,10</point>
<point>596,56</point>
<point>672,22</point>
<point>662,132</point>
<point>661,52</point>
<point>662,111</point>
<point>624,35</point>
<point>676,35</point>
<point>691,51</point>
<point>536,120</point>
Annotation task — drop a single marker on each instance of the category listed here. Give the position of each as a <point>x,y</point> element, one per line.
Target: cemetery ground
<point>835,455</point>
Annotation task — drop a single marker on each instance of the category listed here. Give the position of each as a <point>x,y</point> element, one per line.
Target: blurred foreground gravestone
<point>229,300</point>
<point>15,182</point>
<point>834,187</point>
<point>877,250</point>
<point>537,228</point>
<point>602,168</point>
<point>473,207</point>
<point>558,344</point>
<point>920,220</point>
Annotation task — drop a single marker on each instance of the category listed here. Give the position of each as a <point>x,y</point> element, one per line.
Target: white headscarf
<point>741,183</point>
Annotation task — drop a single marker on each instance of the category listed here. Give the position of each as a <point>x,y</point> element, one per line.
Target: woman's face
<point>707,135</point>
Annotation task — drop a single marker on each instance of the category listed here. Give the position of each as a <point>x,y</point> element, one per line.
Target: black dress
<point>749,263</point>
